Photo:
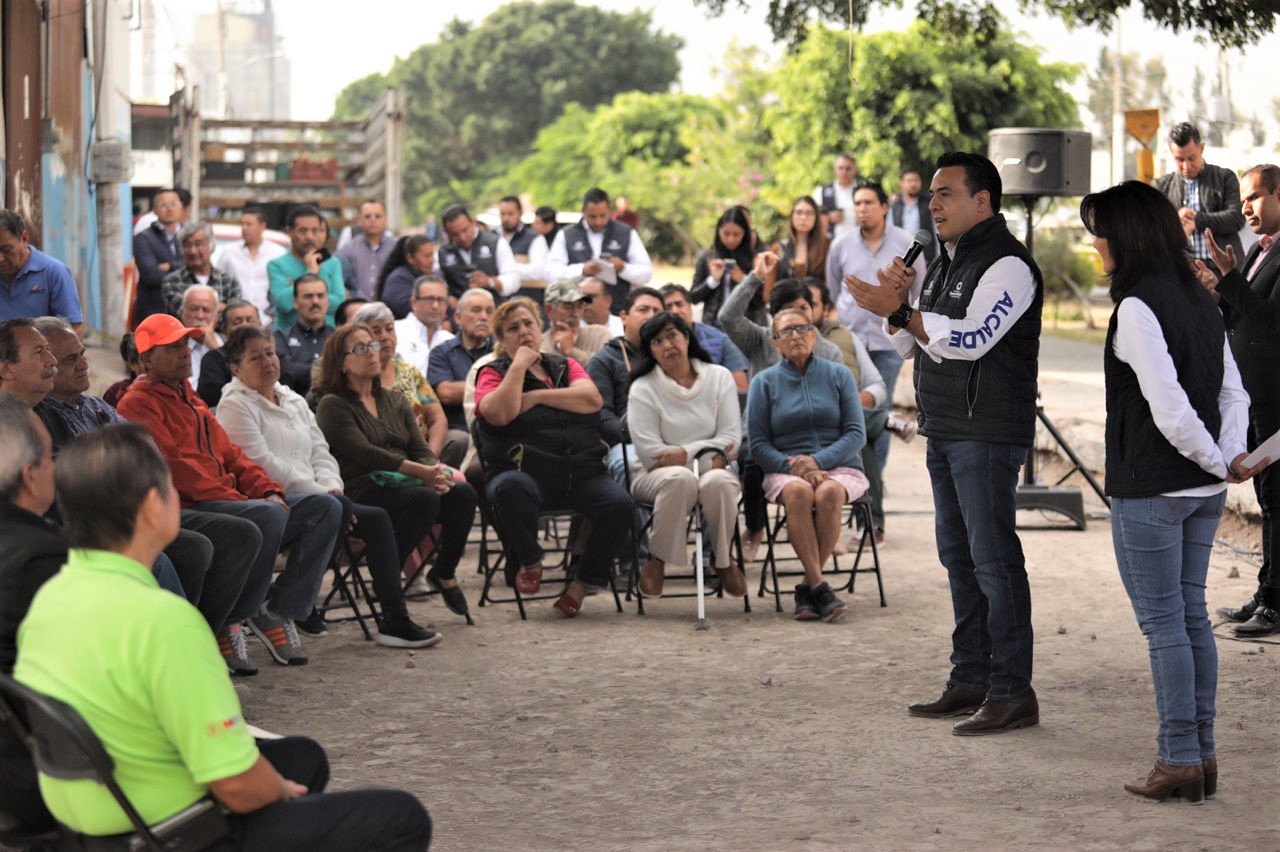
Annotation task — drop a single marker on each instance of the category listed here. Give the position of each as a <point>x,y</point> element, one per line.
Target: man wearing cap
<point>565,334</point>
<point>212,474</point>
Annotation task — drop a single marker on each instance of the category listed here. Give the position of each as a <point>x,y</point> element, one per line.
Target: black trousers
<point>373,526</point>
<point>353,821</point>
<point>1263,424</point>
<point>415,510</point>
<point>212,555</point>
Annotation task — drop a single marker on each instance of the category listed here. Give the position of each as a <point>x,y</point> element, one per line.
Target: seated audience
<point>423,329</point>
<point>597,306</point>
<point>133,366</point>
<point>805,423</point>
<point>725,266</point>
<point>201,309</point>
<point>713,341</point>
<point>398,376</point>
<point>565,334</point>
<point>197,243</point>
<point>538,417</point>
<point>344,312</point>
<point>276,429</point>
<point>373,434</point>
<point>34,284</point>
<point>214,372</point>
<point>141,668</point>
<point>27,366</point>
<point>300,346</point>
<point>449,364</point>
<point>413,257</point>
<point>682,404</point>
<point>212,474</point>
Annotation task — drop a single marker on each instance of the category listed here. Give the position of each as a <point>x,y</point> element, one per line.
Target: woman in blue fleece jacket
<point>805,424</point>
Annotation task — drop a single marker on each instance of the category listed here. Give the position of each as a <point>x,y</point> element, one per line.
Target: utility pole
<point>109,157</point>
<point>1117,108</point>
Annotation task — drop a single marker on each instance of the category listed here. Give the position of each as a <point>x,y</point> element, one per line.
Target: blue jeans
<point>310,531</point>
<point>975,500</point>
<point>889,363</point>
<point>1162,548</point>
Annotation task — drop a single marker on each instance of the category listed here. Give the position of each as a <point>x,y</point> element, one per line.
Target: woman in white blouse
<point>679,405</point>
<point>275,427</point>
<point>1175,436</point>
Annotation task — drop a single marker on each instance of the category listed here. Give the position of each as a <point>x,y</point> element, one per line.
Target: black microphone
<point>923,238</point>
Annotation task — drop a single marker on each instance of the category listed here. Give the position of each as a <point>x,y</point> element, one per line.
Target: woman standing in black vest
<point>538,418</point>
<point>725,265</point>
<point>1175,436</point>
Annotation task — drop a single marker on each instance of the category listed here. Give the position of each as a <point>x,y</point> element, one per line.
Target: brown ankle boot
<point>652,574</point>
<point>1210,777</point>
<point>1164,781</point>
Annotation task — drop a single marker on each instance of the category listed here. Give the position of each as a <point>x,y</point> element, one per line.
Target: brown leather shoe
<point>954,701</point>
<point>996,717</point>
<point>652,575</point>
<point>1164,781</point>
<point>732,581</point>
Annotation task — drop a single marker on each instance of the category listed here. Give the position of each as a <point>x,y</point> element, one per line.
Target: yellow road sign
<point>1142,124</point>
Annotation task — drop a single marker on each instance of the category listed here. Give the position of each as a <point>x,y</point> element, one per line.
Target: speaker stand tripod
<point>1064,499</point>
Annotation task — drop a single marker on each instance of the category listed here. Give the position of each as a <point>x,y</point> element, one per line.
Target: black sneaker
<point>805,610</point>
<point>313,624</point>
<point>403,633</point>
<point>830,607</point>
<point>1241,614</point>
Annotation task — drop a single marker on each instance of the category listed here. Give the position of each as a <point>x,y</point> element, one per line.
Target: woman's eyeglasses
<point>365,348</point>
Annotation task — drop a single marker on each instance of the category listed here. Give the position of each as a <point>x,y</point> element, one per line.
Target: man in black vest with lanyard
<point>976,337</point>
<point>527,246</point>
<point>596,243</point>
<point>474,258</point>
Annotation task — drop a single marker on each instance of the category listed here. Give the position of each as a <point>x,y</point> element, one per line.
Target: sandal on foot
<point>529,581</point>
<point>567,606</point>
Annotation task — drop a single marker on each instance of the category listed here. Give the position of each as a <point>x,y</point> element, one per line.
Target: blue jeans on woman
<point>1162,548</point>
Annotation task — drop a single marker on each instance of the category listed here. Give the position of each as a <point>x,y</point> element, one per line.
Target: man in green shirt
<point>153,685</point>
<point>307,232</point>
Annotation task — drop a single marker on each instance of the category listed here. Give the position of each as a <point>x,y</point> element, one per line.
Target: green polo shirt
<point>143,668</point>
<point>284,270</point>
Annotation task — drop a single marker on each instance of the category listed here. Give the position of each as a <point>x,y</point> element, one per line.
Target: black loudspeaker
<point>1041,161</point>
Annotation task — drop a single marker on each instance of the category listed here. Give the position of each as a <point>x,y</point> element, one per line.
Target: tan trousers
<point>674,491</point>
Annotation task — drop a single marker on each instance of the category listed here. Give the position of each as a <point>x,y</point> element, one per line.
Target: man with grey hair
<point>201,308</point>
<point>196,242</point>
<point>423,329</point>
<point>68,409</point>
<point>449,363</point>
<point>27,367</point>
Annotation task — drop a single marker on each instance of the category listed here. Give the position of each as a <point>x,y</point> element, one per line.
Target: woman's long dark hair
<point>405,247</point>
<point>1143,233</point>
<point>816,244</point>
<point>743,254</point>
<point>654,326</point>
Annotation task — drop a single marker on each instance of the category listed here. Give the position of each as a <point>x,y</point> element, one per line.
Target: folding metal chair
<point>63,746</point>
<point>774,536</point>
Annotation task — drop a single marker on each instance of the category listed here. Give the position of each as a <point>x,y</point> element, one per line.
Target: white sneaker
<point>418,588</point>
<point>902,426</point>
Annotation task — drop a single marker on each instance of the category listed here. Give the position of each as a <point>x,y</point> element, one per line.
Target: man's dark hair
<point>1144,236</point>
<point>233,305</point>
<point>128,351</point>
<point>155,196</point>
<point>258,212</point>
<point>240,339</point>
<point>1184,134</point>
<point>102,478</point>
<point>377,201</point>
<point>979,174</point>
<point>350,306</point>
<point>787,291</point>
<point>11,223</point>
<point>595,195</point>
<point>302,211</point>
<point>546,214</point>
<point>636,292</point>
<point>824,295</point>
<point>909,170</point>
<point>875,187</point>
<point>1268,176</point>
<point>184,196</point>
<point>672,289</point>
<point>307,278</point>
<point>453,211</point>
<point>511,199</point>
<point>9,347</point>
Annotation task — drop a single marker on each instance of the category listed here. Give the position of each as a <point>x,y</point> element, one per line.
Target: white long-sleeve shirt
<point>1003,294</point>
<point>637,267</point>
<point>535,268</point>
<point>1140,343</point>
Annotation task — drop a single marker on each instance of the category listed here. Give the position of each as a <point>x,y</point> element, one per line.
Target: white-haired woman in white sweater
<point>679,405</point>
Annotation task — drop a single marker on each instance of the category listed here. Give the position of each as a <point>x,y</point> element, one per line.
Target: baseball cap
<point>564,290</point>
<point>161,330</point>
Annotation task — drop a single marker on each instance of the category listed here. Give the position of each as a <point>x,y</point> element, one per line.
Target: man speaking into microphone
<point>977,328</point>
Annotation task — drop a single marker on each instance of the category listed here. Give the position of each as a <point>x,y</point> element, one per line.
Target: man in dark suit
<point>1207,196</point>
<point>910,210</point>
<point>1249,295</point>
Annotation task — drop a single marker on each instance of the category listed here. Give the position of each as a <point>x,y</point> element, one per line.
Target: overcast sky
<point>328,51</point>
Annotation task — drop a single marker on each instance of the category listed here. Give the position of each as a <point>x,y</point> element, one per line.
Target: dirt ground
<point>617,731</point>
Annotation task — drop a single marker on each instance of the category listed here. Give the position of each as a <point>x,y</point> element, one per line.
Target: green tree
<point>906,98</point>
<point>1229,24</point>
<point>480,94</point>
<point>1143,86</point>
<point>355,101</point>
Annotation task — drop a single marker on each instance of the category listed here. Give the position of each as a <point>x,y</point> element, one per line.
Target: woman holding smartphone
<point>725,265</point>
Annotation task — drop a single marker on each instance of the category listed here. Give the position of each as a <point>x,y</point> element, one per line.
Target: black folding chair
<point>774,532</point>
<point>63,746</point>
<point>633,575</point>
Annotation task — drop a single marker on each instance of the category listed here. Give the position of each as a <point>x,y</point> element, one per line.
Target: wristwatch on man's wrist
<point>902,316</point>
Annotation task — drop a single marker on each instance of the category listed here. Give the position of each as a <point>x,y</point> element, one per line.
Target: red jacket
<point>205,463</point>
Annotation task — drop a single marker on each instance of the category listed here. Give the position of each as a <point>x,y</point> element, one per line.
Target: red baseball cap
<point>161,330</point>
